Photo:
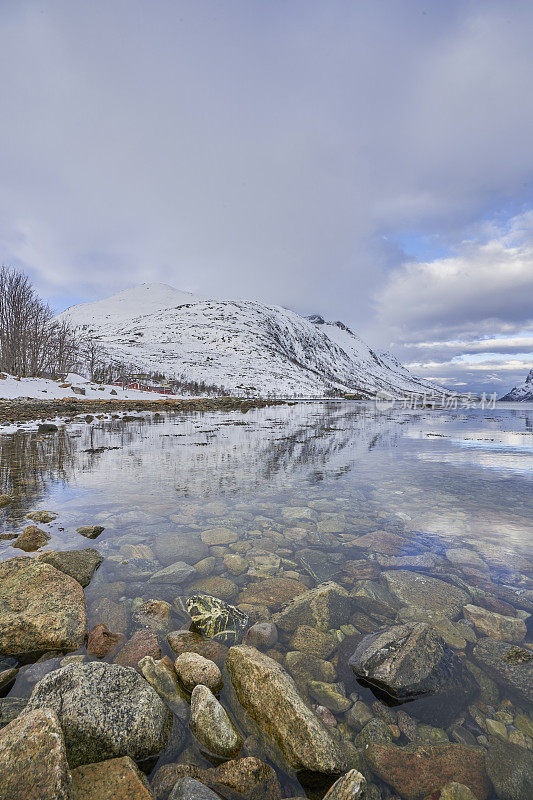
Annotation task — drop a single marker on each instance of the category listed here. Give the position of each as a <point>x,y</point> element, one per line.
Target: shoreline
<point>15,411</point>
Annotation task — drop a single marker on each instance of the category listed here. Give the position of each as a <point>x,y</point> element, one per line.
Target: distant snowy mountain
<point>523,392</point>
<point>244,346</point>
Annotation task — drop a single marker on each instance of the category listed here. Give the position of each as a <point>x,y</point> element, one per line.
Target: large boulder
<point>437,597</point>
<point>79,564</point>
<point>34,760</point>
<point>510,769</point>
<point>105,711</point>
<point>324,607</point>
<point>412,661</point>
<point>271,698</point>
<point>416,771</point>
<point>510,664</point>
<point>115,779</point>
<point>41,608</point>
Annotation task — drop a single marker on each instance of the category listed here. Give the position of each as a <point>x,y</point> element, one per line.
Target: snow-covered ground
<point>244,346</point>
<point>12,388</point>
<point>522,393</point>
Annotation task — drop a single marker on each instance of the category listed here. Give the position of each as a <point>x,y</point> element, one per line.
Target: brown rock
<point>272,592</point>
<point>40,608</point>
<point>193,670</point>
<point>390,544</point>
<point>90,531</point>
<point>42,516</point>
<point>314,642</point>
<point>416,771</point>
<point>192,642</point>
<point>31,539</point>
<point>100,640</point>
<point>497,626</point>
<point>34,760</point>
<point>142,643</point>
<point>115,779</point>
<point>216,586</point>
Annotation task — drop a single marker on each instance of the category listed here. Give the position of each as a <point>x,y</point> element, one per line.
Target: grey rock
<point>172,546</point>
<point>510,769</point>
<point>351,786</point>
<point>173,575</point>
<point>432,594</point>
<point>358,716</point>
<point>11,707</point>
<point>105,711</point>
<point>79,564</point>
<point>189,789</point>
<point>511,664</point>
<point>324,607</point>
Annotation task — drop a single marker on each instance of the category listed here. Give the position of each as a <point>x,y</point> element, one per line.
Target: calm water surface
<point>305,477</point>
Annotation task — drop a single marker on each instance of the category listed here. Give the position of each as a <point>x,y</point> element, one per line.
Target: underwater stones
<point>247,778</point>
<point>193,669</point>
<point>216,586</point>
<point>192,642</point>
<point>5,500</point>
<point>324,607</point>
<point>79,564</point>
<point>304,668</point>
<point>176,546</point>
<point>40,608</point>
<point>211,724</point>
<point>358,716</point>
<point>415,561</point>
<point>114,779</point>
<point>214,537</point>
<point>385,542</point>
<point>373,598</point>
<point>329,695</point>
<point>262,635</point>
<point>511,664</point>
<point>313,642</point>
<point>100,640</point>
<point>351,786</point>
<point>190,789</point>
<point>105,711</point>
<point>34,759</point>
<point>162,677</point>
<point>299,514</point>
<point>90,531</point>
<point>416,771</point>
<point>31,539</point>
<point>113,615</point>
<point>235,563</point>
<point>217,620</point>
<point>142,643</point>
<point>154,614</point>
<point>376,730</point>
<point>272,592</point>
<point>497,626</point>
<point>271,698</point>
<point>462,556</point>
<point>404,661</point>
<point>319,564</point>
<point>43,517</point>
<point>172,575</point>
<point>510,769</point>
<point>431,594</point>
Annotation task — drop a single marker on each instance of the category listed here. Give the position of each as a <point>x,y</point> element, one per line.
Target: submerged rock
<point>40,608</point>
<point>511,664</point>
<point>416,771</point>
<point>432,594</point>
<point>324,607</point>
<point>142,643</point>
<point>497,626</point>
<point>173,575</point>
<point>272,592</point>
<point>42,516</point>
<point>218,536</point>
<point>248,778</point>
<point>510,769</point>
<point>211,724</point>
<point>161,675</point>
<point>216,619</point>
<point>189,789</point>
<point>193,642</point>
<point>271,698</point>
<point>114,779</point>
<point>90,531</point>
<point>34,759</point>
<point>193,670</point>
<point>105,711</point>
<point>216,586</point>
<point>173,546</point>
<point>314,642</point>
<point>79,564</point>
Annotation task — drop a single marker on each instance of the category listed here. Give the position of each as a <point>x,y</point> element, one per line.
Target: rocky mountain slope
<point>523,392</point>
<point>244,346</point>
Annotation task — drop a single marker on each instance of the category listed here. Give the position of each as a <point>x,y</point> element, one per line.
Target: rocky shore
<point>253,665</point>
<point>28,410</point>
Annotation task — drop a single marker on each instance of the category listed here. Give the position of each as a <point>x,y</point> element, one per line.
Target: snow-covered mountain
<point>523,392</point>
<point>242,345</point>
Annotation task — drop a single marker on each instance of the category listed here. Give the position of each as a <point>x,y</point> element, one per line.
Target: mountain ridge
<point>243,345</point>
<point>523,392</point>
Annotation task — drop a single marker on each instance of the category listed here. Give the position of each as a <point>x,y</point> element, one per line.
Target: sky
<point>369,161</point>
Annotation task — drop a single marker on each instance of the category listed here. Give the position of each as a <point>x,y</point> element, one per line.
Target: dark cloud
<point>267,150</point>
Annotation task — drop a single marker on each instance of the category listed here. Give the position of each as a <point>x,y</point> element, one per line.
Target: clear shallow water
<point>445,480</point>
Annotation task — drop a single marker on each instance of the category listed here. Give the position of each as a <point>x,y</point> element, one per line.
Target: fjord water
<point>304,478</point>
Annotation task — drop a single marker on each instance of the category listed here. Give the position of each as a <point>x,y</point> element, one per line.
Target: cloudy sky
<point>371,161</point>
